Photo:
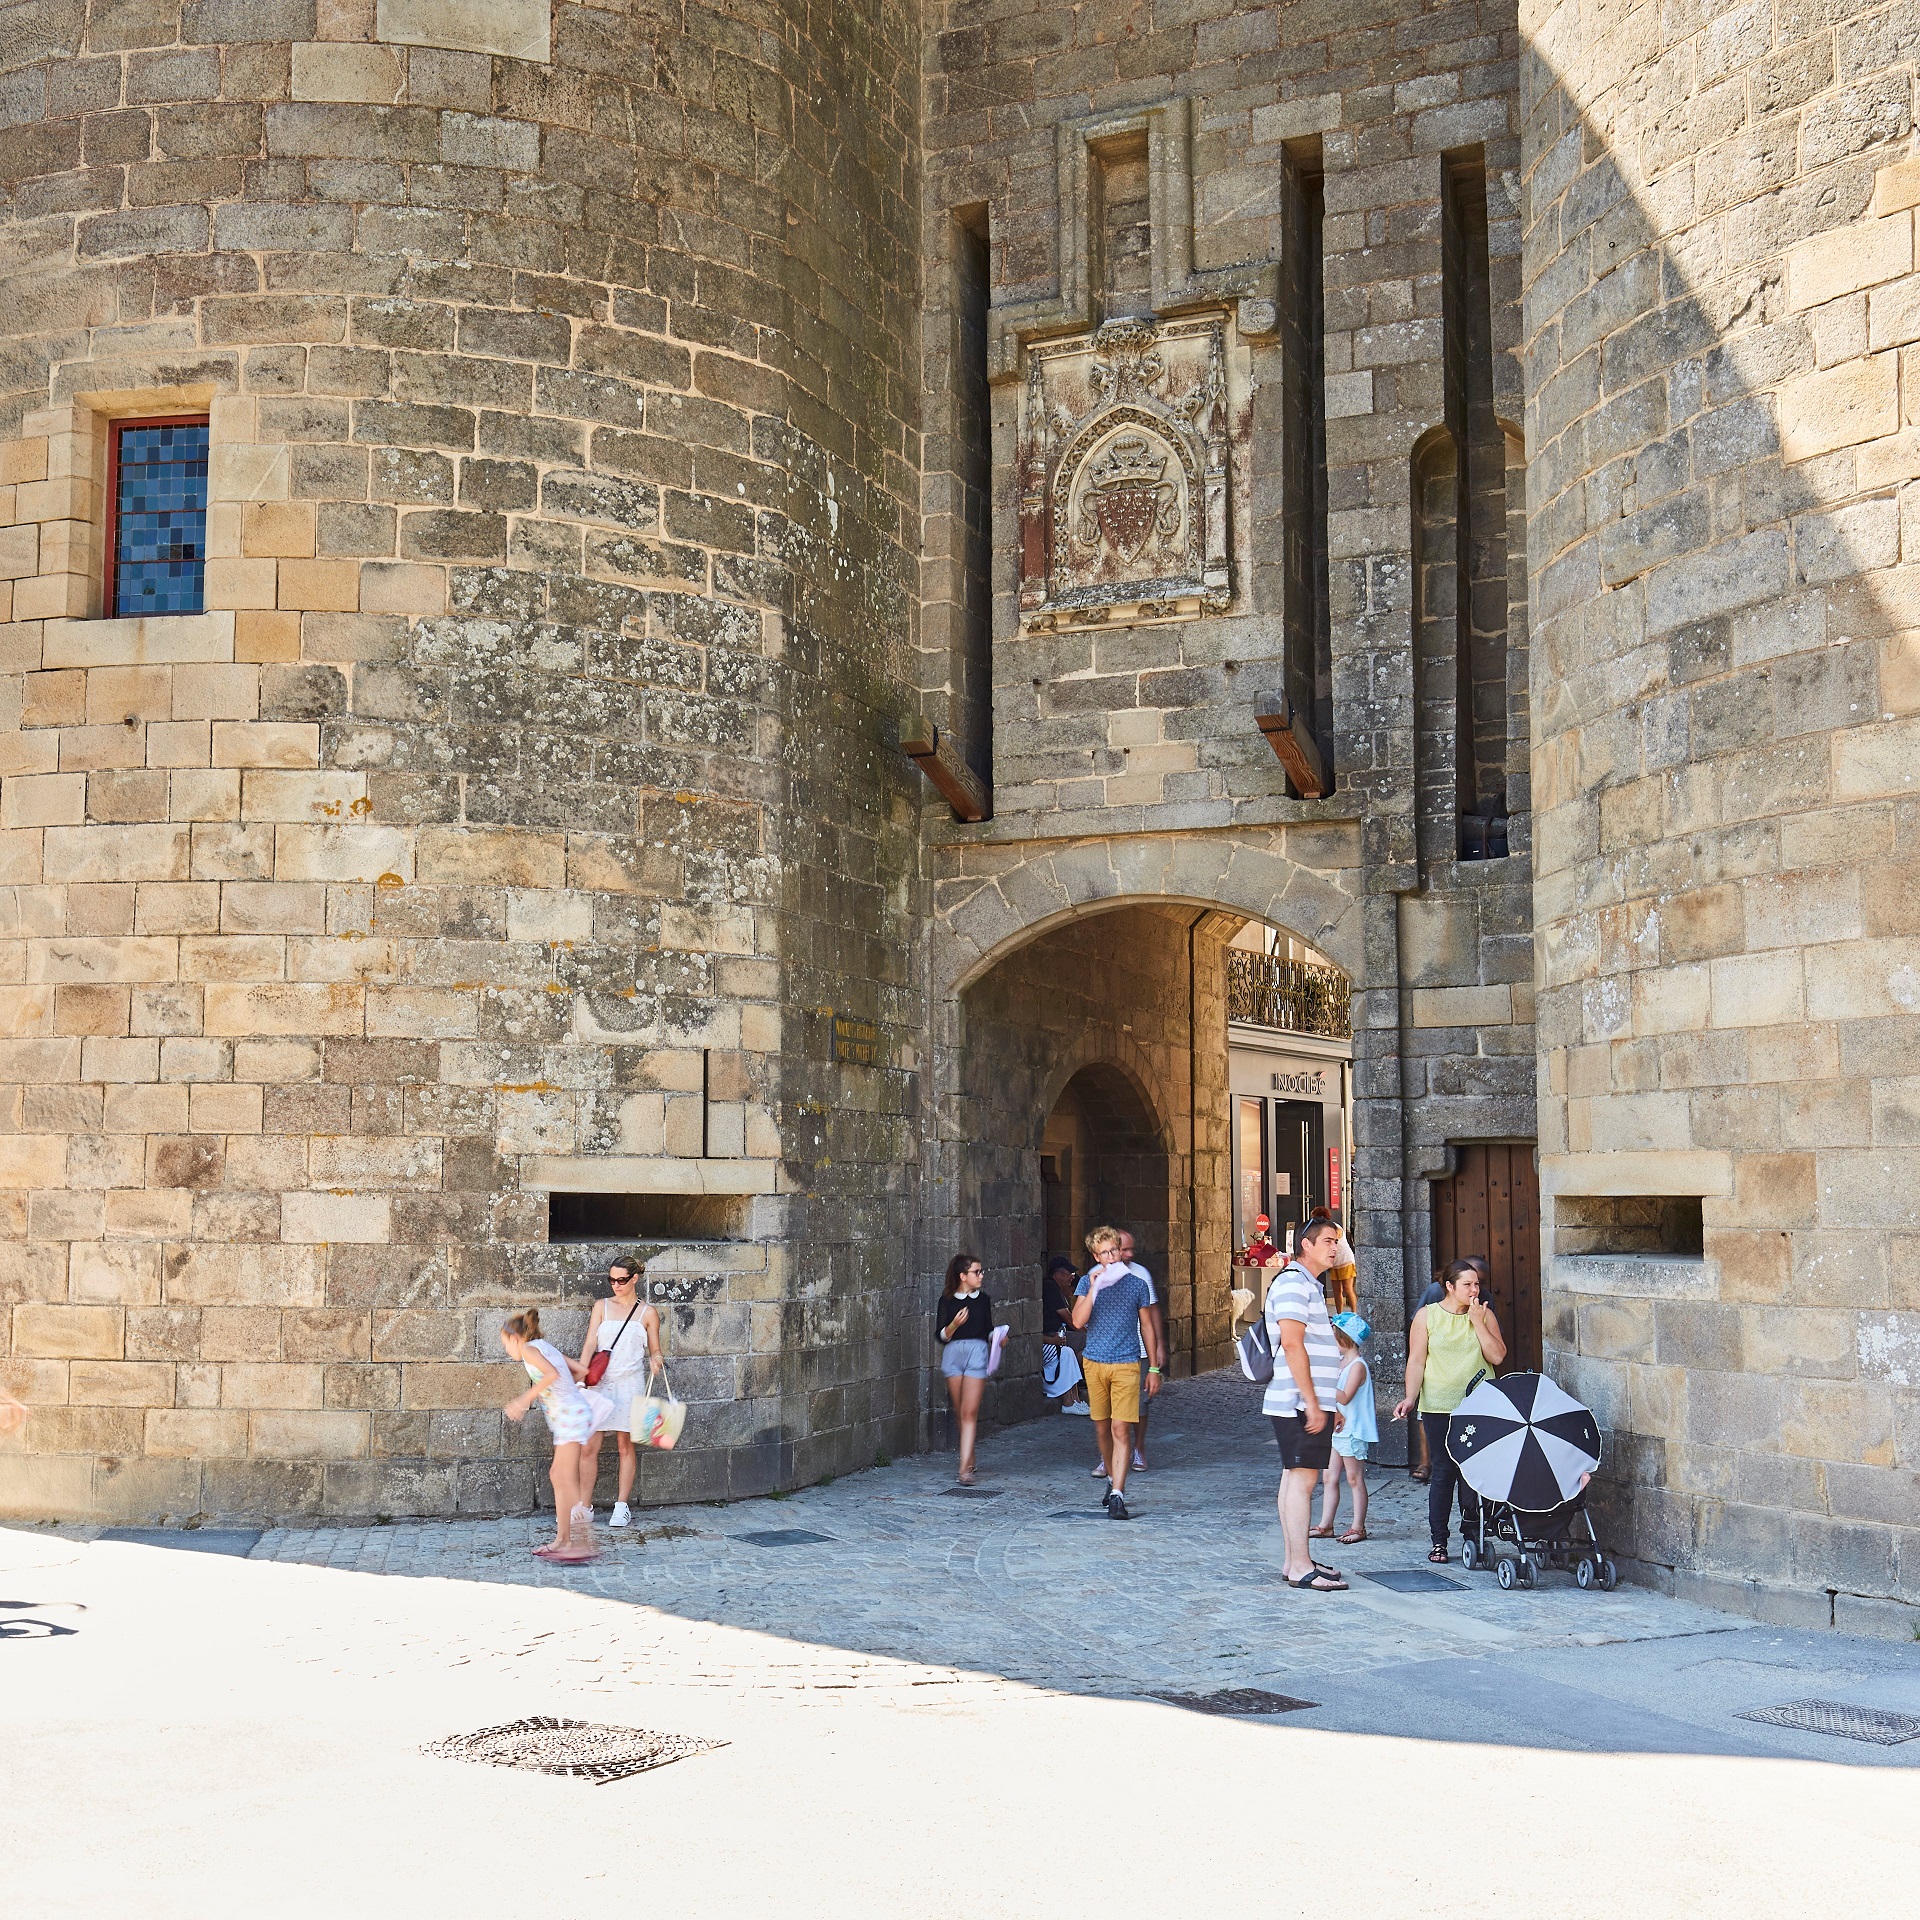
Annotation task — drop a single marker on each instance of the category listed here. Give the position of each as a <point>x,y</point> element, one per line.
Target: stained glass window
<point>159,517</point>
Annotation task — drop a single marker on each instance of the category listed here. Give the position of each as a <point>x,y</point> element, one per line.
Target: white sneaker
<point>621,1517</point>
<point>583,1516</point>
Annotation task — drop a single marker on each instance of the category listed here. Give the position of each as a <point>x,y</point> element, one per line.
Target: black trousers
<point>1446,1477</point>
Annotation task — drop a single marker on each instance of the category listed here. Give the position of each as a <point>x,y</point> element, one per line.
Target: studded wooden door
<point>1491,1206</point>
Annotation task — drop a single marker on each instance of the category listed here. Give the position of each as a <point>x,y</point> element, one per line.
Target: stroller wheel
<point>1529,1571</point>
<point>1583,1575</point>
<point>1469,1553</point>
<point>1504,1572</point>
<point>1609,1576</point>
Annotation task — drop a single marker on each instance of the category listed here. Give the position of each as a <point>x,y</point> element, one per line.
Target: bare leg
<point>629,1456</point>
<point>1330,1495</point>
<point>1296,1514</point>
<point>968,1403</point>
<point>1119,1452</point>
<point>565,1475</point>
<point>590,1467</point>
<point>1103,1443</point>
<point>1357,1486</point>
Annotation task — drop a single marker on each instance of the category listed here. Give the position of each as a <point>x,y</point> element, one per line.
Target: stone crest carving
<point>1125,454</point>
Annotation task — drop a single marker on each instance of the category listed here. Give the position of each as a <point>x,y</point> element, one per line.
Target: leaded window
<point>157,537</point>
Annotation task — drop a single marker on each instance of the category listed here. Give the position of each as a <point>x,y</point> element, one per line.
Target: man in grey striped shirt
<point>1300,1401</point>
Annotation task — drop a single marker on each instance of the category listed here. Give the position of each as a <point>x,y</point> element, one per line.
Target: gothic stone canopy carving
<point>1125,462</point>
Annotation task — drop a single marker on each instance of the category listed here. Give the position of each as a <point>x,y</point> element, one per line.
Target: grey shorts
<point>965,1360</point>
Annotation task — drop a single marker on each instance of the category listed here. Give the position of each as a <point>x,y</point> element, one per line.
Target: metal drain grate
<point>784,1537</point>
<point>1414,1580</point>
<point>577,1748</point>
<point>1878,1726</point>
<point>1243,1701</point>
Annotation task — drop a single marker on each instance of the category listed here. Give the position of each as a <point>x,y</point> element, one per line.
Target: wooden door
<point>1491,1206</point>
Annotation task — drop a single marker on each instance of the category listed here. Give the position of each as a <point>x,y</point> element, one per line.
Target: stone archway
<point>992,900</point>
<point>1113,1005</point>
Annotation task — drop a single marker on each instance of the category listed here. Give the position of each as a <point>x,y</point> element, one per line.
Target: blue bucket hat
<point>1354,1328</point>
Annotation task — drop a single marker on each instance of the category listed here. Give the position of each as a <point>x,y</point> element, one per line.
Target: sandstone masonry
<point>629,421</point>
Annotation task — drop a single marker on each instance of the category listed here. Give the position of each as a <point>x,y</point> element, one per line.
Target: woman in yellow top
<point>1448,1344</point>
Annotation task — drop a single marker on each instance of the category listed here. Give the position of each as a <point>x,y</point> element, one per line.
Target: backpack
<point>1254,1346</point>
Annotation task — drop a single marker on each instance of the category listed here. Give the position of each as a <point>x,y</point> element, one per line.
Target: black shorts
<point>1298,1447</point>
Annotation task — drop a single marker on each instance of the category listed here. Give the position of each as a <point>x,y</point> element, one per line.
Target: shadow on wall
<point>1723,380</point>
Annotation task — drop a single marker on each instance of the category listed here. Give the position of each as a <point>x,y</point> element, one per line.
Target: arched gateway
<point>1103,1003</point>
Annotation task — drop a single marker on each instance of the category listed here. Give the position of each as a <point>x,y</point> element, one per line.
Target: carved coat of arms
<point>1125,475</point>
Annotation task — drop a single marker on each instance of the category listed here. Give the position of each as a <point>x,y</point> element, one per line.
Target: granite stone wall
<point>1253,123</point>
<point>1721,404</point>
<point>514,813</point>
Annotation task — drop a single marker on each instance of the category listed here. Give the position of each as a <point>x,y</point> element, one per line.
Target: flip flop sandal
<point>1438,1556</point>
<point>1319,1533</point>
<point>1352,1539</point>
<point>573,1557</point>
<point>1318,1581</point>
<point>1423,1478</point>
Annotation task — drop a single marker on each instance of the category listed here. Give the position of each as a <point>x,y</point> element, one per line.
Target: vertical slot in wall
<point>1479,516</point>
<point>1307,624</point>
<point>971,666</point>
<point>1120,225</point>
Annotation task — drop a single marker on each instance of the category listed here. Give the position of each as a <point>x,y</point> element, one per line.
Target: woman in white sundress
<point>627,1330</point>
<point>571,1411</point>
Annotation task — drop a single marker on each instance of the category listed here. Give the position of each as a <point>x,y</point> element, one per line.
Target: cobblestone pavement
<point>1043,1589</point>
<point>940,1706</point>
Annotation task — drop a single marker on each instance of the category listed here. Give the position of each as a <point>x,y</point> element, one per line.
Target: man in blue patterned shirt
<point>1115,1306</point>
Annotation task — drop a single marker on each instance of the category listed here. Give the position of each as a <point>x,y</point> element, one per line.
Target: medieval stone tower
<point>736,628</point>
<point>494,827</point>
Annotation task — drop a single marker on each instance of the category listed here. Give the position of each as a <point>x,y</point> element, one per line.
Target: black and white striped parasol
<point>1523,1441</point>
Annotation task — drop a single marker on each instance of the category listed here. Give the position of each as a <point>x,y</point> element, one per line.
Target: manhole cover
<point>575,1747</point>
<point>973,1493</point>
<point>783,1537</point>
<point>1878,1726</point>
<point>1415,1580</point>
<point>1244,1701</point>
<point>232,1540</point>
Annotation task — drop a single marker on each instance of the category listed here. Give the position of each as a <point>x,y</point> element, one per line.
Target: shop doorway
<point>1280,1162</point>
<point>1491,1206</point>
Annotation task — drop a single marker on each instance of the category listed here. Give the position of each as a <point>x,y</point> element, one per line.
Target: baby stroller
<point>1528,1450</point>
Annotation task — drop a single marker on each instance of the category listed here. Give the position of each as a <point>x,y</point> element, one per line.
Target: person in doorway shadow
<point>1149,1360</point>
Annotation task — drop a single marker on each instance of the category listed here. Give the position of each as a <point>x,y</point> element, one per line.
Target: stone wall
<point>516,804</point>
<point>1721,406</point>
<point>1354,119</point>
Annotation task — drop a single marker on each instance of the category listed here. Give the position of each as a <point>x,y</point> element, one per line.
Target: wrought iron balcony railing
<point>1293,995</point>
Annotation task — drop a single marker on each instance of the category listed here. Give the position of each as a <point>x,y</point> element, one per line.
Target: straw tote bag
<point>657,1422</point>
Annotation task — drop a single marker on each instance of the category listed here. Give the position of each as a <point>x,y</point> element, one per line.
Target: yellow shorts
<point>1113,1390</point>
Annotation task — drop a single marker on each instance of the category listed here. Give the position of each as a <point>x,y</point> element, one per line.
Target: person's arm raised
<point>1493,1346</point>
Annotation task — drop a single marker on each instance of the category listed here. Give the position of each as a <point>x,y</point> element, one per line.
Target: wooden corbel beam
<point>933,752</point>
<point>1288,735</point>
